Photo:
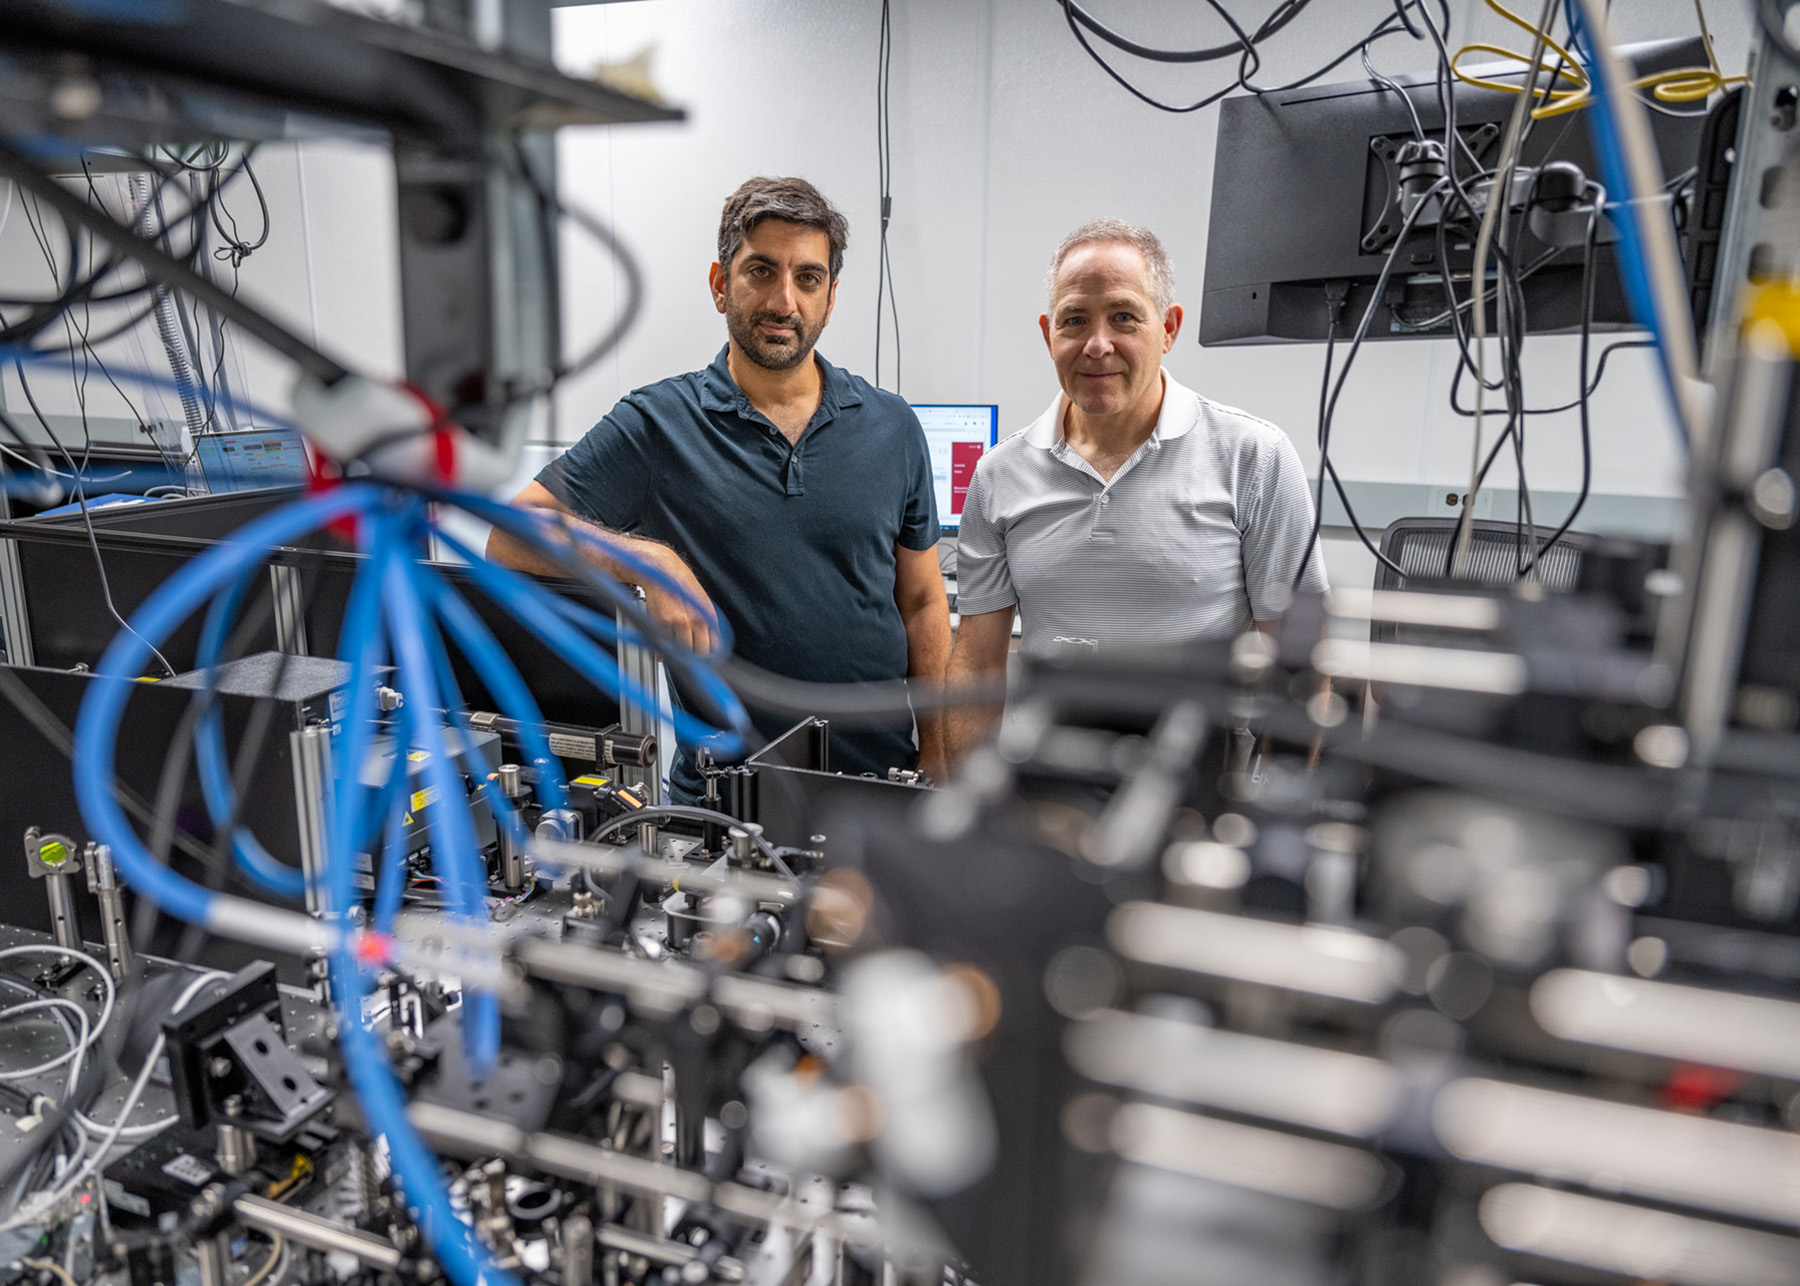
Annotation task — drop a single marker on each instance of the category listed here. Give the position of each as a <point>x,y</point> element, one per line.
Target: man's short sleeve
<point>605,476</point>
<point>919,519</point>
<point>1278,531</point>
<point>983,579</point>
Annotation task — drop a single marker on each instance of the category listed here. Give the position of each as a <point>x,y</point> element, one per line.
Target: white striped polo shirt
<point>1197,535</point>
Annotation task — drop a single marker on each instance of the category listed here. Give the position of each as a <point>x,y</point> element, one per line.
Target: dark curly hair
<point>791,200</point>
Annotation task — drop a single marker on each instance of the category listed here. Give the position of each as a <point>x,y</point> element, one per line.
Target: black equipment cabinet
<point>142,545</point>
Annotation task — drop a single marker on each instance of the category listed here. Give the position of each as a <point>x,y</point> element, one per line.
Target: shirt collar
<point>719,392</point>
<point>1180,413</point>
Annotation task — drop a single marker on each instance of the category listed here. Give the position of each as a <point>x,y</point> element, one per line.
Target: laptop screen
<point>251,459</point>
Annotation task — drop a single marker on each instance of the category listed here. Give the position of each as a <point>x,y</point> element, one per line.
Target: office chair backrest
<point>1421,548</point>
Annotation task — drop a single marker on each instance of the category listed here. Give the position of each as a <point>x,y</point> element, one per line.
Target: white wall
<point>1005,136</point>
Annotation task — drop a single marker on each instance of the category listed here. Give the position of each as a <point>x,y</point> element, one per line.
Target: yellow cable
<point>49,1266</point>
<point>1677,85</point>
<point>268,1265</point>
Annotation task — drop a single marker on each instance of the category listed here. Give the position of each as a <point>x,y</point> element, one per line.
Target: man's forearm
<point>979,658</point>
<point>509,551</point>
<point>968,726</point>
<point>927,659</point>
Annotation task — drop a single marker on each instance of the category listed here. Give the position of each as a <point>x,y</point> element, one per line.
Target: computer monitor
<point>250,459</point>
<point>1303,194</point>
<point>956,436</point>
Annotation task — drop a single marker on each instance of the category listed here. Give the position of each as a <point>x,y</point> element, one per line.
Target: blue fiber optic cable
<point>540,530</point>
<point>97,723</point>
<point>506,813</point>
<point>216,788</point>
<point>1631,255</point>
<point>509,690</point>
<point>143,379</point>
<point>531,602</point>
<point>453,834</point>
<point>365,1061</point>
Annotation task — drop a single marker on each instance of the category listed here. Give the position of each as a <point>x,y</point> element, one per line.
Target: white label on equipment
<point>188,1169</point>
<point>561,743</point>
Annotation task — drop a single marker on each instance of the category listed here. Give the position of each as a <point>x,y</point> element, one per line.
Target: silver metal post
<point>641,666</point>
<point>312,782</point>
<point>103,883</point>
<point>290,609</point>
<point>215,1260</point>
<point>319,1233</point>
<point>64,925</point>
<point>310,748</point>
<point>512,861</point>
<point>15,621</point>
<point>237,1149</point>
<point>578,1251</point>
<point>54,859</point>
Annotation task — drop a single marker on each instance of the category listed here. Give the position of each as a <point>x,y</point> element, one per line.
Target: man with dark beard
<point>780,492</point>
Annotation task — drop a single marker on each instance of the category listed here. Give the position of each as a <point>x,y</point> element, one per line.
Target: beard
<point>772,353</point>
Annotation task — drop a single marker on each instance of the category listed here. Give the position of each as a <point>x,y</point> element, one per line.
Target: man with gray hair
<point>1134,513</point>
<point>779,492</point>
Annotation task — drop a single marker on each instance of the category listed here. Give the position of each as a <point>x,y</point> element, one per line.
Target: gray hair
<point>1111,231</point>
<point>790,200</point>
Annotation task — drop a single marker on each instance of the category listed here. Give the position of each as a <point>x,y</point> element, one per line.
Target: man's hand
<point>689,617</point>
<point>692,624</point>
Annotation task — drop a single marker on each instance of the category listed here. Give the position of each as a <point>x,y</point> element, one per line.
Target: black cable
<point>1587,444</point>
<point>1283,14</point>
<point>1362,330</point>
<point>1388,84</point>
<point>77,368</point>
<point>884,162</point>
<point>39,458</point>
<point>87,518</point>
<point>517,160</point>
<point>167,269</point>
<point>670,812</point>
<point>82,289</point>
<point>1592,386</point>
<point>1248,66</point>
<point>1335,294</point>
<point>236,248</point>
<point>854,705</point>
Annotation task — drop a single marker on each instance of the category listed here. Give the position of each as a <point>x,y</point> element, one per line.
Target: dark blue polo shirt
<point>794,544</point>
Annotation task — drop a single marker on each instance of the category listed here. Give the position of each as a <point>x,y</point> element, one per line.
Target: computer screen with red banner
<point>956,436</point>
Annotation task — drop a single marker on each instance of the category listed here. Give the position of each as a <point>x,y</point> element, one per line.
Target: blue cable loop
<point>389,583</point>
<point>96,735</point>
<point>531,602</point>
<point>97,723</point>
<point>541,530</point>
<point>385,824</point>
<point>143,379</point>
<point>256,862</point>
